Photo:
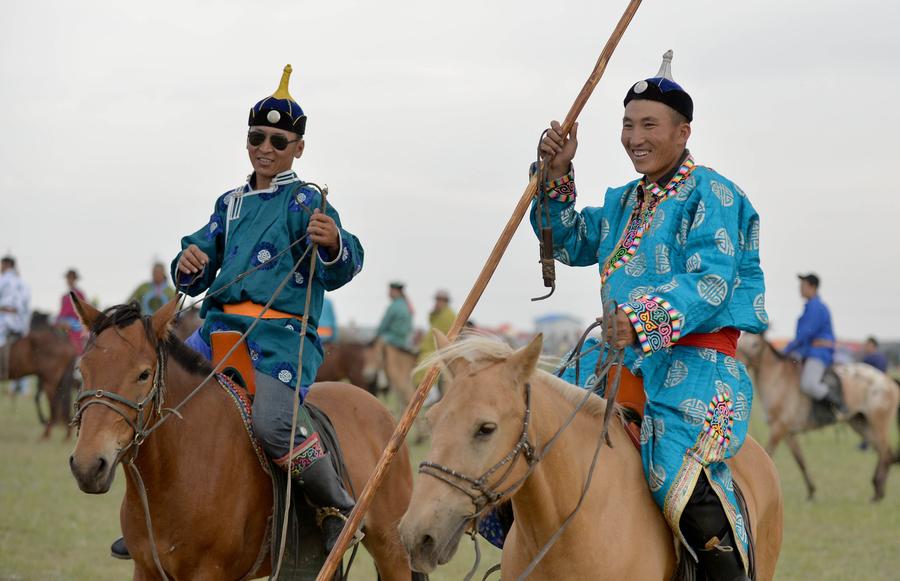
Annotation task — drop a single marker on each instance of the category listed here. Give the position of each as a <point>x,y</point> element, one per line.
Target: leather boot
<point>720,559</point>
<point>323,487</point>
<point>118,550</point>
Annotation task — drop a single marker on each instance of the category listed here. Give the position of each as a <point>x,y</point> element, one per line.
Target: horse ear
<point>162,320</point>
<point>525,360</point>
<point>86,311</point>
<point>440,339</point>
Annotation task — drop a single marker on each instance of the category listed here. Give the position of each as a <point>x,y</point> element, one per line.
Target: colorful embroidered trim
<point>242,401</point>
<point>642,218</point>
<point>562,189</point>
<point>303,456</point>
<point>683,172</point>
<point>716,434</point>
<point>656,322</point>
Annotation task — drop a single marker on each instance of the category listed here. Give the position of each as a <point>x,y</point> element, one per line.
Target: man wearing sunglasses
<point>266,226</point>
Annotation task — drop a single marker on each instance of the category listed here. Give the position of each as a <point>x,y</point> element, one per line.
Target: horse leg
<point>777,431</point>
<point>390,559</point>
<point>801,462</point>
<point>877,431</point>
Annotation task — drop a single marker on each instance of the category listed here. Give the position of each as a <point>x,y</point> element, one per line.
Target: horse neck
<point>771,376</point>
<point>551,492</point>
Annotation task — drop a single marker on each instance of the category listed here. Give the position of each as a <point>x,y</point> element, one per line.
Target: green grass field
<point>49,530</point>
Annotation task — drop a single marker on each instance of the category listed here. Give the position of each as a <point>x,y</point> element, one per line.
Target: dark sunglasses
<point>279,142</point>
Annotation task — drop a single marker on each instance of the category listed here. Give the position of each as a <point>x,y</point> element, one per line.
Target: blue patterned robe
<point>248,228</point>
<point>685,262</point>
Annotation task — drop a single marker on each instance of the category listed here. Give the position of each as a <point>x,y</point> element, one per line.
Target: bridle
<point>148,407</point>
<point>479,492</point>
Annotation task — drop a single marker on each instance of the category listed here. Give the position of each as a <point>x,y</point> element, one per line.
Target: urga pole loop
<point>465,311</point>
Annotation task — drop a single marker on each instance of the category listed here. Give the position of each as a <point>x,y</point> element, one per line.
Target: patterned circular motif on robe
<point>659,218</point>
<point>254,350</point>
<point>663,264</point>
<point>263,254</point>
<point>667,287</point>
<point>284,372</point>
<point>561,255</point>
<point>567,216</point>
<point>713,289</point>
<point>739,527</point>
<point>753,243</point>
<point>684,190</point>
<point>677,373</point>
<point>723,242</point>
<point>581,227</point>
<point>682,235</point>
<point>699,215</point>
<point>725,389</point>
<point>693,411</point>
<point>646,429</point>
<point>345,254</point>
<point>709,354</point>
<point>604,229</point>
<point>731,366</point>
<point>298,279</point>
<point>759,307</point>
<point>657,477</point>
<point>214,227</point>
<point>638,291</point>
<point>637,266</point>
<point>659,427</point>
<point>290,325</point>
<point>693,263</point>
<point>721,191</point>
<point>741,408</point>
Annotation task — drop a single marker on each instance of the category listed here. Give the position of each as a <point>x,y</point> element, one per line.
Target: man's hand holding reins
<point>625,334</point>
<point>561,148</point>
<point>323,231</point>
<point>193,260</point>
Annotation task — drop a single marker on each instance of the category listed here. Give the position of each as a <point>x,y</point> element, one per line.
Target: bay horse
<point>48,354</point>
<point>397,365</point>
<point>619,531</point>
<point>208,495</point>
<point>870,396</point>
<point>345,360</point>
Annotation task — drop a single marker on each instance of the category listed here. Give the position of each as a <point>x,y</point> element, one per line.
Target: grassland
<point>51,531</point>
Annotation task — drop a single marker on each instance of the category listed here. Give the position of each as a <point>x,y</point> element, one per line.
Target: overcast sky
<point>122,122</point>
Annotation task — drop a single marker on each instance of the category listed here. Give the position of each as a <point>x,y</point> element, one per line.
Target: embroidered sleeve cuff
<point>656,322</point>
<point>342,252</point>
<point>562,189</point>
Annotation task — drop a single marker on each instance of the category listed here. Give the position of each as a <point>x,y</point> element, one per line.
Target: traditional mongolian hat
<point>397,284</point>
<point>664,89</point>
<point>280,109</point>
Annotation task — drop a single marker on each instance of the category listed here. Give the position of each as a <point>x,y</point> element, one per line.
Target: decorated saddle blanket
<point>305,549</point>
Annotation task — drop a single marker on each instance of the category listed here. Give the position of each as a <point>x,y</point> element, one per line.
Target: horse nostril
<point>427,543</point>
<point>101,465</point>
<point>72,461</point>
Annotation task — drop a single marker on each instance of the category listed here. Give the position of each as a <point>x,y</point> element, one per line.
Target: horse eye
<point>486,429</point>
<point>144,376</point>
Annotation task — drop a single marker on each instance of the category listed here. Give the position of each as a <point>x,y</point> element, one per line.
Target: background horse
<point>619,532</point>
<point>208,495</point>
<point>48,354</point>
<point>397,366</point>
<point>345,360</point>
<point>870,396</point>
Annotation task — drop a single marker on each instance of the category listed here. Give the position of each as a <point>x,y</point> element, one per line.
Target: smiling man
<point>678,251</point>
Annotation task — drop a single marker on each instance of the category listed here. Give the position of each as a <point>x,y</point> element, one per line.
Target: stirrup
<point>329,511</point>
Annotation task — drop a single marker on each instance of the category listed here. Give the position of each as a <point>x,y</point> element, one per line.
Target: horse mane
<point>781,356</point>
<point>39,321</point>
<point>477,347</point>
<point>121,316</point>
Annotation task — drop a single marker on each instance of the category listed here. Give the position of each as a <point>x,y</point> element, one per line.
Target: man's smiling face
<point>267,160</point>
<point>654,136</point>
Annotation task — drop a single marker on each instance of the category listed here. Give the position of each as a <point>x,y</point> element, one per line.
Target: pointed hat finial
<point>282,92</point>
<point>665,69</point>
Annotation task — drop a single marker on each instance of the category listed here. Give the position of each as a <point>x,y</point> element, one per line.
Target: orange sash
<point>222,342</point>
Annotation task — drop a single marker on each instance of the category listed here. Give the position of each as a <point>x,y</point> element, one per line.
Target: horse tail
<point>64,392</point>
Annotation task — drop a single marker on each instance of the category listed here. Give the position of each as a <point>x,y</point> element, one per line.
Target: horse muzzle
<point>94,475</point>
<point>427,546</point>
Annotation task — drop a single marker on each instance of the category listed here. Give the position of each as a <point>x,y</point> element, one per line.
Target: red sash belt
<point>724,341</point>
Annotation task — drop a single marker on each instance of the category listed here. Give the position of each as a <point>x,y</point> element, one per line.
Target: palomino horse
<point>618,533</point>
<point>208,497</point>
<point>345,360</point>
<point>871,398</point>
<point>48,354</point>
<point>397,366</point>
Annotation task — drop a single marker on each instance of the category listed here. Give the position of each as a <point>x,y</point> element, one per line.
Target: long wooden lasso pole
<point>418,399</point>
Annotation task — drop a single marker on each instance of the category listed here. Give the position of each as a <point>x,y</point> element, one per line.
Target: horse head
<point>750,349</point>
<point>120,370</point>
<point>475,428</point>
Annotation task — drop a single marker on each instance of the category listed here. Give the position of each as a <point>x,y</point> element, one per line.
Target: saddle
<point>822,411</point>
<point>304,553</point>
